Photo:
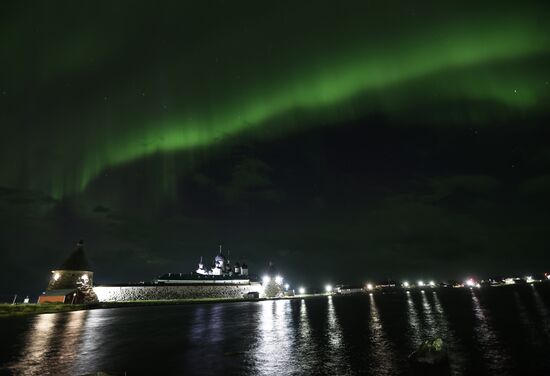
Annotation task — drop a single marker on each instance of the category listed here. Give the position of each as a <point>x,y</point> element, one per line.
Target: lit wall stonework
<point>68,279</point>
<point>164,292</point>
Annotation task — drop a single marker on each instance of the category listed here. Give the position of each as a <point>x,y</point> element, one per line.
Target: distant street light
<point>302,290</point>
<point>328,288</point>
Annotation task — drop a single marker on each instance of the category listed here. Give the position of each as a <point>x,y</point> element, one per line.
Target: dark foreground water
<point>493,331</point>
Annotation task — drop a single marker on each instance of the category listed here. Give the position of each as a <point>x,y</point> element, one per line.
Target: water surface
<point>493,331</point>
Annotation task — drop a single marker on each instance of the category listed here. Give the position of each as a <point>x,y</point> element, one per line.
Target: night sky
<point>343,140</point>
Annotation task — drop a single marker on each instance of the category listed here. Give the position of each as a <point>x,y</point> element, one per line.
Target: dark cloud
<point>248,182</point>
<point>538,186</point>
<point>25,197</point>
<point>475,184</point>
<point>101,209</point>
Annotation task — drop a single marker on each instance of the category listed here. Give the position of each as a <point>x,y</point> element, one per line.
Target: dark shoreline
<point>9,310</point>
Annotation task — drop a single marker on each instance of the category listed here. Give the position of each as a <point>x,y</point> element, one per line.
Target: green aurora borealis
<point>212,79</point>
<point>159,128</point>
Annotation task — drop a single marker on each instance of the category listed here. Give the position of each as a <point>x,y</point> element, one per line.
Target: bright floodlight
<point>56,276</point>
<point>266,279</point>
<point>278,280</point>
<point>432,284</point>
<point>421,283</point>
<point>406,284</point>
<point>287,286</point>
<point>369,286</point>
<point>548,276</point>
<point>328,288</point>
<point>470,283</point>
<point>529,279</point>
<point>302,290</point>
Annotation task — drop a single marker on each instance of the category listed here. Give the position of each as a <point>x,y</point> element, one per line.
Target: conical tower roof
<point>77,260</point>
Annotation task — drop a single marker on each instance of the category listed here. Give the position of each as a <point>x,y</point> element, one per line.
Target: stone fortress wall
<point>172,292</point>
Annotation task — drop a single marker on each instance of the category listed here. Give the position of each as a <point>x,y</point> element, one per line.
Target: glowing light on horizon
<point>328,288</point>
<point>266,279</point>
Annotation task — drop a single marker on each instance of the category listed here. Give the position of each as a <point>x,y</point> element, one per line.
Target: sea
<point>487,331</point>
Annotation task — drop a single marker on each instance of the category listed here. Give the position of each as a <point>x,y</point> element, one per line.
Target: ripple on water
<point>340,335</point>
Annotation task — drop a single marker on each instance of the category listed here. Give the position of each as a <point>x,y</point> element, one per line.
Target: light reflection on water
<point>94,342</point>
<point>434,324</point>
<point>415,331</point>
<point>50,346</point>
<point>429,320</point>
<point>336,351</point>
<point>272,354</point>
<point>381,348</point>
<point>37,345</point>
<point>215,321</point>
<point>525,320</point>
<point>542,311</point>
<point>199,330</point>
<point>455,348</point>
<point>362,334</point>
<point>306,346</point>
<point>497,361</point>
<point>304,322</point>
<point>71,336</point>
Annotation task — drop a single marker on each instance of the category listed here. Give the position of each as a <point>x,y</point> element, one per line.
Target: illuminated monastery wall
<point>167,292</point>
